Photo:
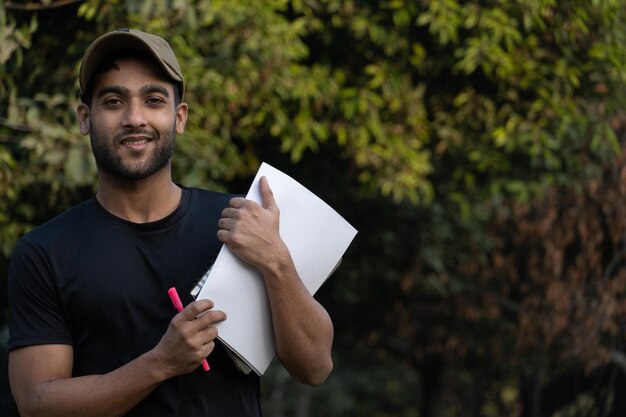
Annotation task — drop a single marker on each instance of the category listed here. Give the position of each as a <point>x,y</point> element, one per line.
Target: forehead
<point>132,74</point>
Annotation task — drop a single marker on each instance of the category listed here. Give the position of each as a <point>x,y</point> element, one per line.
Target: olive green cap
<point>131,39</point>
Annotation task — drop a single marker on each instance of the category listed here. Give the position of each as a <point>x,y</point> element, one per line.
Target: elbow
<point>32,406</point>
<point>320,377</point>
<point>315,376</point>
<point>29,410</point>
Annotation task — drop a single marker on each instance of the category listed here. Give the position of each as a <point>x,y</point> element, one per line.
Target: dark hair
<point>109,64</point>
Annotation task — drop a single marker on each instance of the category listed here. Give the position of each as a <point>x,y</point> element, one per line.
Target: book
<point>317,238</point>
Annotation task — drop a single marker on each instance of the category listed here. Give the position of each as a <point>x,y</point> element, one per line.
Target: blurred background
<point>477,146</point>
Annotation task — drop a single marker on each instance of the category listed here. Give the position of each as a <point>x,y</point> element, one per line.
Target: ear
<point>181,117</point>
<point>82,112</point>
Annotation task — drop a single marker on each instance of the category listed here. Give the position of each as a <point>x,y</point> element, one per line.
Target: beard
<point>113,164</point>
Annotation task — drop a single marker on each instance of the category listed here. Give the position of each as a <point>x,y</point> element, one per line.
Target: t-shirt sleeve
<point>35,311</point>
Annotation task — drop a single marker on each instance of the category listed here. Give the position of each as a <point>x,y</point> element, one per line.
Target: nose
<point>135,116</point>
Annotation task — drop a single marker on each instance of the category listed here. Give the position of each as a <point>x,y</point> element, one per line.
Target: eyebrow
<point>146,89</point>
<point>154,88</point>
<point>113,89</point>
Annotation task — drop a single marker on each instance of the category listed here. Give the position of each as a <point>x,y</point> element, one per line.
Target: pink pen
<point>178,305</point>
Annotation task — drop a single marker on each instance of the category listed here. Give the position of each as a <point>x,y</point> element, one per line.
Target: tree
<point>434,126</point>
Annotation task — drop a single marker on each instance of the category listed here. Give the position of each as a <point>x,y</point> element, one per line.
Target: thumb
<point>267,196</point>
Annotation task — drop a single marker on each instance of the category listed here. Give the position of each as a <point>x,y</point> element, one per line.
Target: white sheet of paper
<point>317,237</point>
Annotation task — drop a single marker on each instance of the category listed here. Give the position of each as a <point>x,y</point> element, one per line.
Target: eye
<point>155,101</point>
<point>112,101</point>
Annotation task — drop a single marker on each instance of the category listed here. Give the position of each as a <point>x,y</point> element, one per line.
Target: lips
<point>134,141</point>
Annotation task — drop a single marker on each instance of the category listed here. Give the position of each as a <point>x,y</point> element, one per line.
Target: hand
<point>189,338</point>
<point>251,230</point>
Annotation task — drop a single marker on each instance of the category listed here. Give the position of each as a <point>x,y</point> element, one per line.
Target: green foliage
<point>414,118</point>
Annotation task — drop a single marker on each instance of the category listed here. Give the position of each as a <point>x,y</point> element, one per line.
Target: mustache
<point>135,132</point>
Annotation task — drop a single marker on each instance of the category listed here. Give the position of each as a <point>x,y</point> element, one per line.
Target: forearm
<point>41,375</point>
<point>302,327</point>
<point>111,394</point>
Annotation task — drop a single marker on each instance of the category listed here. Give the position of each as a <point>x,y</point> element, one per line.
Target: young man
<point>92,330</point>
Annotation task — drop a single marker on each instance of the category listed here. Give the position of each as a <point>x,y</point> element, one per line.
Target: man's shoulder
<point>72,220</point>
<point>206,197</point>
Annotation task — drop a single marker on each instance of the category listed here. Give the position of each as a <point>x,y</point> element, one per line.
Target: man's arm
<point>41,375</point>
<point>302,327</point>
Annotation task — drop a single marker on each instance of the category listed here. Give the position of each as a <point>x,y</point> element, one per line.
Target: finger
<point>225,223</point>
<point>267,196</point>
<point>228,212</point>
<point>223,236</point>
<point>210,318</point>
<point>207,348</point>
<point>236,202</point>
<point>208,334</point>
<point>196,308</point>
<point>231,212</point>
<point>199,349</point>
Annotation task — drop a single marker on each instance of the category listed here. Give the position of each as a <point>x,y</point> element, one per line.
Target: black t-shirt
<point>99,283</point>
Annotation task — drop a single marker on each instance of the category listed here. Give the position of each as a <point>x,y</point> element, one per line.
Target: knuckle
<point>235,240</point>
<point>176,325</point>
<point>193,309</point>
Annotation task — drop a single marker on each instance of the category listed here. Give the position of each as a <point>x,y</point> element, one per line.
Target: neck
<point>139,201</point>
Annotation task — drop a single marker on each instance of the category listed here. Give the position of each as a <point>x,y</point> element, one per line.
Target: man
<point>91,327</point>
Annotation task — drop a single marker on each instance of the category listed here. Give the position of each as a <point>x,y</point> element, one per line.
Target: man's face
<point>132,120</point>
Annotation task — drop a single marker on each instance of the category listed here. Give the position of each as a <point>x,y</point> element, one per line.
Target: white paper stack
<point>317,237</point>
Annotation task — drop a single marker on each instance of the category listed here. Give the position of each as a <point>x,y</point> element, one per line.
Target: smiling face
<point>132,119</point>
